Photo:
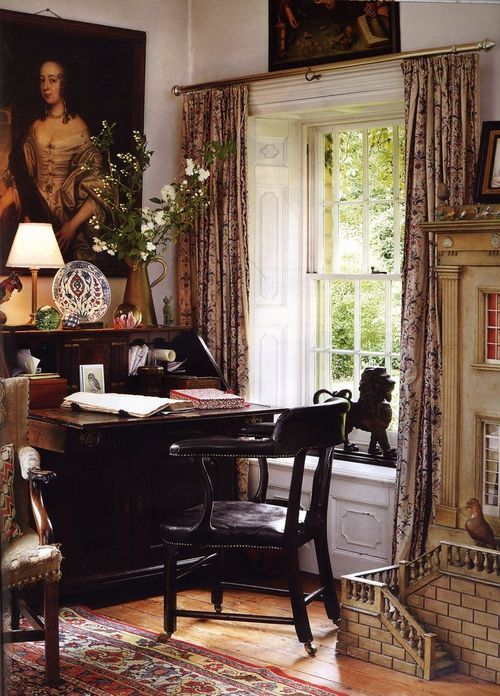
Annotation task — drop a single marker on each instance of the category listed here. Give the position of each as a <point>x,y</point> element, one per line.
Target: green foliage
<point>138,233</point>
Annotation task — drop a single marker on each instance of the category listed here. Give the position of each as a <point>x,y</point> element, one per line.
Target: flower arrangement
<point>138,233</point>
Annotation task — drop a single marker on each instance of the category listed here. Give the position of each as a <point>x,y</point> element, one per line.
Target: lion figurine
<point>372,412</point>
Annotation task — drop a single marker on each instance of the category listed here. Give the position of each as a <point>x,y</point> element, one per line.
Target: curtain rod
<point>315,74</point>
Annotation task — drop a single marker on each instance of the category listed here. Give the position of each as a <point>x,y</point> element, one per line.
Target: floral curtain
<point>213,258</point>
<point>441,119</point>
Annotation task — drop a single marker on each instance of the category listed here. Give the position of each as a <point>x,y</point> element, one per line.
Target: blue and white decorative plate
<point>81,288</point>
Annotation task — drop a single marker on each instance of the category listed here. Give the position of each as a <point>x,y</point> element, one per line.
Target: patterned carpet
<point>101,656</point>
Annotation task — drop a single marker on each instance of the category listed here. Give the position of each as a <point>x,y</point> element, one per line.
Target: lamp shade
<point>35,246</point>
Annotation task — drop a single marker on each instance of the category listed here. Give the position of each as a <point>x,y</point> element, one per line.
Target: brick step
<point>440,670</point>
<point>443,661</point>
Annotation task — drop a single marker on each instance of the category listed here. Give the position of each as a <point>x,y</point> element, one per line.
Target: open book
<point>126,404</point>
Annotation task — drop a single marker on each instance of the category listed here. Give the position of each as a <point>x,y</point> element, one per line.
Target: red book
<point>209,398</point>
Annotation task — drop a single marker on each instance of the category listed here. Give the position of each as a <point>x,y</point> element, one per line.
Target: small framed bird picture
<point>92,379</point>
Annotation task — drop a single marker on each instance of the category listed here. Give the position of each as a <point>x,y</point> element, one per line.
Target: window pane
<point>396,316</point>
<point>402,212</point>
<point>380,163</point>
<point>342,371</point>
<point>381,225</point>
<point>350,165</point>
<point>328,167</point>
<point>373,316</point>
<point>395,364</point>
<point>327,265</point>
<point>320,303</point>
<point>350,245</point>
<point>342,313</point>
<point>402,172</point>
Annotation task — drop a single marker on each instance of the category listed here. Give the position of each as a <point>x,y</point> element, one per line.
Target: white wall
<point>166,25</point>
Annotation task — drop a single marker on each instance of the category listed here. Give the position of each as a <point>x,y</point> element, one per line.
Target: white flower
<point>150,246</point>
<point>189,167</point>
<point>158,218</point>
<point>167,193</point>
<point>203,174</point>
<point>145,227</point>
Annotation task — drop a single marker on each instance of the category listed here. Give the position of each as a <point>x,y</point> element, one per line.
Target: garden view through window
<point>356,245</point>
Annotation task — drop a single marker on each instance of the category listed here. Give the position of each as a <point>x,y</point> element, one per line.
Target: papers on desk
<point>125,404</point>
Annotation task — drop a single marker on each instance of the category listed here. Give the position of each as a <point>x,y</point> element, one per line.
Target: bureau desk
<point>115,480</point>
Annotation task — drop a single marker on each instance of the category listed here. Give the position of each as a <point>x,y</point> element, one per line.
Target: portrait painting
<point>59,80</point>
<point>488,166</point>
<point>310,32</point>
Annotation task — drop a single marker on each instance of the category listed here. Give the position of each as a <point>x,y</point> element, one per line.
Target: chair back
<point>319,427</point>
<point>14,405</point>
<point>310,427</point>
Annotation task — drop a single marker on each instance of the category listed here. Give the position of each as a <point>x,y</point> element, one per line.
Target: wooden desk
<point>114,481</point>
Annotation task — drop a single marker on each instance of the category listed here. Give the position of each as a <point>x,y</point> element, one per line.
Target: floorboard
<point>277,645</point>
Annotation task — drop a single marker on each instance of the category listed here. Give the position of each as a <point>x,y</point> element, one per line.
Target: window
<point>491,467</point>
<point>356,224</point>
<point>492,307</point>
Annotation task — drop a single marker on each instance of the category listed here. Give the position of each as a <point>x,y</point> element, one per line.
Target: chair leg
<point>51,621</point>
<point>299,609</point>
<point>217,592</point>
<point>15,611</point>
<point>170,593</point>
<point>330,598</point>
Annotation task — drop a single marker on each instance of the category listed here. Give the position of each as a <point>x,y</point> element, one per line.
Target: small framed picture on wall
<point>92,379</point>
<point>488,166</point>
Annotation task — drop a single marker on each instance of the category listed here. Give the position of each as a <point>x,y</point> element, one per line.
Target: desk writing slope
<point>129,404</point>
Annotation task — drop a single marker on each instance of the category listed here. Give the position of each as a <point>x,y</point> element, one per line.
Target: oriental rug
<point>104,656</point>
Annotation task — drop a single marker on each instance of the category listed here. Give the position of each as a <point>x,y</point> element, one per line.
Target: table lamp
<point>35,246</point>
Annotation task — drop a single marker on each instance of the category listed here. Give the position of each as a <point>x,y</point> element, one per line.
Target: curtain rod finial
<point>176,90</point>
<point>486,44</point>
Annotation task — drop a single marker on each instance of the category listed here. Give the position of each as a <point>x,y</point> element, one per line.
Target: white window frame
<point>280,328</point>
<point>315,138</point>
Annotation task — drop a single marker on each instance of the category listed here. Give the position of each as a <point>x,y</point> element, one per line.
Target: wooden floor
<point>277,645</point>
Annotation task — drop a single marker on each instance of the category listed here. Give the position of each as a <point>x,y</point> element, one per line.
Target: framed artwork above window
<point>309,32</point>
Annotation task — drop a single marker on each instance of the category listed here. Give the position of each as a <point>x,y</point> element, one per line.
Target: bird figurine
<point>7,286</point>
<point>477,527</point>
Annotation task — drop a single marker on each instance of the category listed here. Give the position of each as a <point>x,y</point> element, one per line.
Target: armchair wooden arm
<point>38,478</point>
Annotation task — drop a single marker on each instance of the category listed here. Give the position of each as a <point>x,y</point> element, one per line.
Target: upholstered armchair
<point>29,557</point>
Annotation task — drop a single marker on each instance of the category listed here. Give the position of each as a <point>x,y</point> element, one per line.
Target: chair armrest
<point>37,478</point>
<point>29,459</point>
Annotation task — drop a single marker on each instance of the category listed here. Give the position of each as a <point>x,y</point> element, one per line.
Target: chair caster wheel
<point>163,637</point>
<point>310,648</point>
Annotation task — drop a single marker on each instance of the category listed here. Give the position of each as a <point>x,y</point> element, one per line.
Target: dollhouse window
<point>491,467</point>
<point>492,326</point>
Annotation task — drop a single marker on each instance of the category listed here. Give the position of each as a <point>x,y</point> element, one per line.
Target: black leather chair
<point>213,526</point>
